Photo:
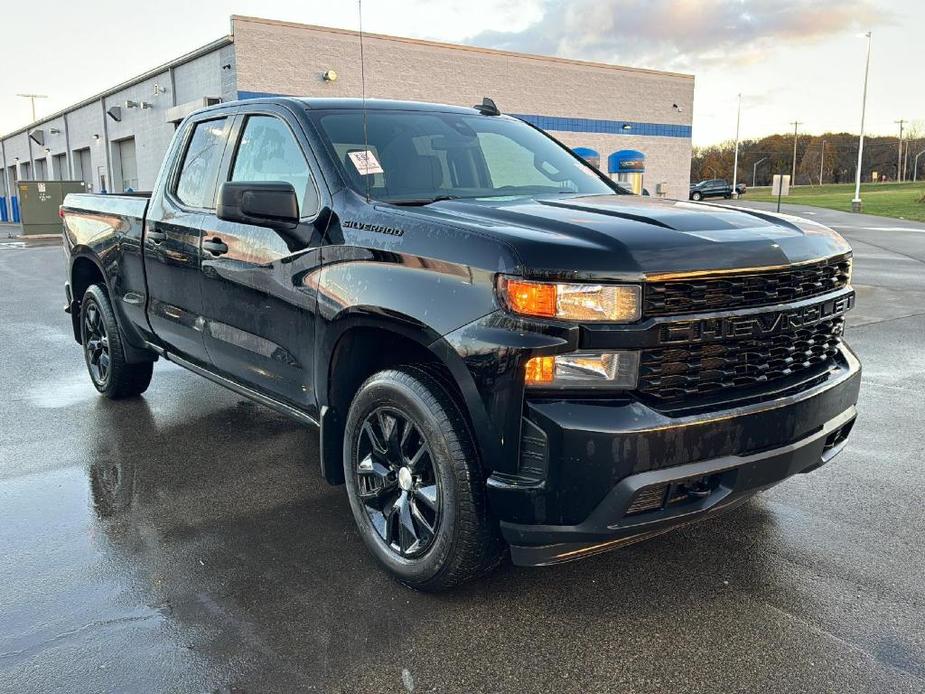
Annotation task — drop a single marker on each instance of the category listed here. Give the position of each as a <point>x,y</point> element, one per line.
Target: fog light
<point>584,370</point>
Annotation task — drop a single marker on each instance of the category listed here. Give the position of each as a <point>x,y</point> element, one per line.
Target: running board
<point>249,393</point>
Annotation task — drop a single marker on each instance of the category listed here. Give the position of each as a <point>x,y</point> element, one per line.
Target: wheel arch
<point>86,270</point>
<point>362,343</point>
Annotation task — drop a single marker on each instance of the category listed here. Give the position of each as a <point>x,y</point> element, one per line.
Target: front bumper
<point>618,473</point>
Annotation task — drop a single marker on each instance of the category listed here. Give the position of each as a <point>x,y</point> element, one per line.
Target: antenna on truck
<point>487,107</point>
<point>363,96</point>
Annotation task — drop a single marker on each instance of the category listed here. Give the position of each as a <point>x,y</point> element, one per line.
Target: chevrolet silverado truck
<point>503,351</point>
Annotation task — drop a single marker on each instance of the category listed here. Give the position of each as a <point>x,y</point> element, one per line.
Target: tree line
<point>828,158</point>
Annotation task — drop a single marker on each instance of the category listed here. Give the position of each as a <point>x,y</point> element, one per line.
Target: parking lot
<point>184,541</point>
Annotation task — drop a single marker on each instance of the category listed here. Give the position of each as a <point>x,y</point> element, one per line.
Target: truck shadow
<point>222,521</point>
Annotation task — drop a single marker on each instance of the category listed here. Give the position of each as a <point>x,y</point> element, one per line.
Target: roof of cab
<point>327,103</point>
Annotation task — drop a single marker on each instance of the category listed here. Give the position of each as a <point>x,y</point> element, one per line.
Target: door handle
<point>215,246</point>
<point>155,237</point>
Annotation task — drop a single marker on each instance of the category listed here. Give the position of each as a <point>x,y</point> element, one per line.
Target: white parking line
<point>916,229</point>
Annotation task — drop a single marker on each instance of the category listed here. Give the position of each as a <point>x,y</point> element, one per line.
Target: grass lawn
<point>898,200</point>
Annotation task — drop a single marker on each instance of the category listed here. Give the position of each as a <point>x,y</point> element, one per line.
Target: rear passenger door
<point>257,283</point>
<point>172,237</point>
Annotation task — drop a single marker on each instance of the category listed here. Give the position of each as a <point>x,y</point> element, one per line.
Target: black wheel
<point>414,484</point>
<point>728,196</point>
<point>696,196</point>
<point>111,374</point>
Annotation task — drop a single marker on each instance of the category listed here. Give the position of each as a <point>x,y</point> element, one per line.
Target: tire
<point>110,373</point>
<point>697,197</point>
<point>430,526</point>
<point>727,196</point>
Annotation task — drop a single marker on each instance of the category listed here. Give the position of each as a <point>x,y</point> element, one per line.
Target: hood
<point>624,236</point>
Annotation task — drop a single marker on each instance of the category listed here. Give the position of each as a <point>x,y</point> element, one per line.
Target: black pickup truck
<point>502,349</point>
<point>711,188</point>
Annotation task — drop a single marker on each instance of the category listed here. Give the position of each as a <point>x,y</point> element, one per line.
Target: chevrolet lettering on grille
<point>763,324</point>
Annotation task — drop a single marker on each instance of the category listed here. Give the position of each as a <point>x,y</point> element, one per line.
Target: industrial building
<point>630,120</point>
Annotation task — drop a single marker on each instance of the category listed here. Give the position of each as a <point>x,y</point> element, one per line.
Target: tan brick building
<point>116,139</point>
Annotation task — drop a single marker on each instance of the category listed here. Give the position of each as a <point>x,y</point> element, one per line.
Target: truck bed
<point>128,207</point>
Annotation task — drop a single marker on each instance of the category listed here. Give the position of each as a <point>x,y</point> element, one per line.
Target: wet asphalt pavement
<point>184,541</point>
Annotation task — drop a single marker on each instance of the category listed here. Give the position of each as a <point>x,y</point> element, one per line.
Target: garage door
<point>128,164</point>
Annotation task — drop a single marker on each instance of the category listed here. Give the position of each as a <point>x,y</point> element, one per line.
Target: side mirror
<point>270,204</point>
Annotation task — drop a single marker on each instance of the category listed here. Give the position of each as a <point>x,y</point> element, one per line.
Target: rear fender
<point>80,278</point>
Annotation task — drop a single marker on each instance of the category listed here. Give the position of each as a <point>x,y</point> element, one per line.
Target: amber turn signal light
<point>530,298</point>
<point>540,370</point>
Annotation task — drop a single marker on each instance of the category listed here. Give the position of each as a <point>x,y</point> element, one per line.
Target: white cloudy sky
<point>791,59</point>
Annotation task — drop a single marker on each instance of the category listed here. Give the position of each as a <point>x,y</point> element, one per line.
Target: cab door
<point>259,300</point>
<point>172,236</point>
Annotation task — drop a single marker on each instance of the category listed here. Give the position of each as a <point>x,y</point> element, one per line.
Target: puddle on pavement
<point>61,392</point>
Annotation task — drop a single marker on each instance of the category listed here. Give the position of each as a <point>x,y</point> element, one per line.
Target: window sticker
<point>365,162</point>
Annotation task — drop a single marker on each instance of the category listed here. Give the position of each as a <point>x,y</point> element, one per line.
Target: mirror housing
<point>270,204</point>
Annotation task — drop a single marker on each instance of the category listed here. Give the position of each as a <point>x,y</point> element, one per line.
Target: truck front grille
<point>721,293</point>
<point>680,373</point>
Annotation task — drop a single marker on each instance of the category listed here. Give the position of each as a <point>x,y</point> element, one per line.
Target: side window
<point>198,174</point>
<point>268,151</point>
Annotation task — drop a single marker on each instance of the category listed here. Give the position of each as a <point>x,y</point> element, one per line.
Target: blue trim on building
<point>572,125</point>
<point>607,127</point>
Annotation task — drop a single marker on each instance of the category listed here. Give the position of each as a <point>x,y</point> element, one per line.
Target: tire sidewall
<point>91,298</point>
<point>697,197</point>
<point>382,390</point>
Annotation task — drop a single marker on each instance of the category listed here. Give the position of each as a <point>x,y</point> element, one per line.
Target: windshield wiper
<point>420,202</point>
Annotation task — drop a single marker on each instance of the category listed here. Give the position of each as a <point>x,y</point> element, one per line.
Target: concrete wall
<point>86,127</point>
<point>285,58</point>
<point>277,57</point>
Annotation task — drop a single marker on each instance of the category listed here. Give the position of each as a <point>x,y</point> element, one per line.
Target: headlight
<point>584,370</point>
<point>612,303</point>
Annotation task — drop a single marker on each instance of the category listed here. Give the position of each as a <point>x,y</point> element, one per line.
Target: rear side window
<point>199,171</point>
<point>268,151</point>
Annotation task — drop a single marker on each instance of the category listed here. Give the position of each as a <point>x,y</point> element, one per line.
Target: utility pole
<point>755,170</point>
<point>899,161</point>
<point>793,178</point>
<point>822,162</point>
<point>735,166</point>
<point>32,98</point>
<point>856,205</point>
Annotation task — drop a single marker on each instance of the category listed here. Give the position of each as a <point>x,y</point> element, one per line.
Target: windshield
<point>417,157</point>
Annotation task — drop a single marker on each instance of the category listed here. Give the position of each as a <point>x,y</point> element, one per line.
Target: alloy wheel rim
<point>96,344</point>
<point>397,483</point>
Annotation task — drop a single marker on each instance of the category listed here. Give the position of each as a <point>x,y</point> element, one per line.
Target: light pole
<point>755,171</point>
<point>735,165</point>
<point>915,166</point>
<point>899,160</point>
<point>822,163</point>
<point>793,178</point>
<point>856,204</point>
<point>32,98</point>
